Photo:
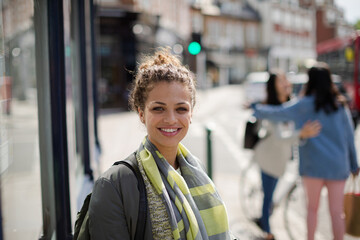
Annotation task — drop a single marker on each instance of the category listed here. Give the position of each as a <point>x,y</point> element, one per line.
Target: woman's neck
<point>170,156</point>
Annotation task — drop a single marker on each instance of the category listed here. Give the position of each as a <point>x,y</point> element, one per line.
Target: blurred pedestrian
<point>183,202</point>
<point>325,160</point>
<point>275,149</point>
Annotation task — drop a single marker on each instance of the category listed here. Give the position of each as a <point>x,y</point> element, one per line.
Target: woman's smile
<point>169,131</point>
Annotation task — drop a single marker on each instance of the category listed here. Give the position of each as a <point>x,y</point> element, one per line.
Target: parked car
<point>255,83</point>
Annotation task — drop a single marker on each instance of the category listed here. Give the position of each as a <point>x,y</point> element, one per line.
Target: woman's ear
<point>191,116</point>
<point>141,115</point>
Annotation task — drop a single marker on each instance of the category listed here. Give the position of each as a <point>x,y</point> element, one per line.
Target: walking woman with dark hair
<point>275,150</point>
<point>327,159</point>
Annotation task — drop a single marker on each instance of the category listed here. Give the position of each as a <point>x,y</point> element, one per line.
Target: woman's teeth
<point>169,130</point>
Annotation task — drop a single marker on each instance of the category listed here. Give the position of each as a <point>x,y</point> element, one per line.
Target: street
<point>221,111</point>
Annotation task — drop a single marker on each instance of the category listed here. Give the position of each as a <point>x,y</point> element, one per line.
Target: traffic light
<point>194,47</point>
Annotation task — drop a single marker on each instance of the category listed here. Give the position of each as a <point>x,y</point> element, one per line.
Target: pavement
<point>218,109</point>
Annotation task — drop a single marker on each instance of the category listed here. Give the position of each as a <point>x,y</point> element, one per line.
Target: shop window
<point>19,138</point>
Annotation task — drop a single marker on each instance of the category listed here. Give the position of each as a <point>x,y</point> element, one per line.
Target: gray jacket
<point>114,205</point>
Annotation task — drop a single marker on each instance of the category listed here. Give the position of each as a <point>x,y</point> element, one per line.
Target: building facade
<point>129,29</point>
<point>288,32</point>
<point>231,38</point>
<point>330,22</point>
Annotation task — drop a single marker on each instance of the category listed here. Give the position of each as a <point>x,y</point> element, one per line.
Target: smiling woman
<point>182,201</point>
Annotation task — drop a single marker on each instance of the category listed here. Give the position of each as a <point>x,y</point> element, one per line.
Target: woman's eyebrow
<point>181,103</point>
<point>156,102</point>
<point>162,103</point>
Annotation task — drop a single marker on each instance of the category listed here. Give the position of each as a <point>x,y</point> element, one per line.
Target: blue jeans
<point>268,185</point>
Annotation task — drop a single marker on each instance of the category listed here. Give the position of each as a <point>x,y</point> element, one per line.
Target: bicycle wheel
<point>251,194</point>
<point>295,215</point>
<point>295,212</point>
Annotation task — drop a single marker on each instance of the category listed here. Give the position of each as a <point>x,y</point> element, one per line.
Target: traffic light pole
<point>201,70</point>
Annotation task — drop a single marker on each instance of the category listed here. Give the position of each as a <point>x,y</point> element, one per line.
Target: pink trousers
<point>335,189</point>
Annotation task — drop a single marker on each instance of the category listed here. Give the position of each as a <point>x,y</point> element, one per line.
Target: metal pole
<point>58,129</point>
<point>209,150</point>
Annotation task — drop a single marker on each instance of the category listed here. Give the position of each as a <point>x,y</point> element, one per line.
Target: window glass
<point>213,29</point>
<point>239,35</point>
<point>251,35</point>
<point>288,20</point>
<point>276,14</point>
<point>19,142</point>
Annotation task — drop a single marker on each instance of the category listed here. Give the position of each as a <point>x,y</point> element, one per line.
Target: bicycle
<point>290,193</point>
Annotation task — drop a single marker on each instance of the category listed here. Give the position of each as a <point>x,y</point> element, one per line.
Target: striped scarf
<point>195,208</point>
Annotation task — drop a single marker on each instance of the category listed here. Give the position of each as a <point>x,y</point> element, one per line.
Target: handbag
<point>352,208</point>
<point>251,137</point>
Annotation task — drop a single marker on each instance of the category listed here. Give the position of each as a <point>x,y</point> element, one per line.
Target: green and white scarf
<point>195,208</point>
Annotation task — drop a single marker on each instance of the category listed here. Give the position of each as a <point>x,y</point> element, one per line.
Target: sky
<point>351,9</point>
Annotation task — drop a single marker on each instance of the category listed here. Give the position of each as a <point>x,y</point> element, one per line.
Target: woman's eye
<point>182,109</point>
<point>158,109</point>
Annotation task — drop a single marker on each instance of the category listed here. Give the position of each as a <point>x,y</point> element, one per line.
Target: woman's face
<point>283,87</point>
<point>167,114</point>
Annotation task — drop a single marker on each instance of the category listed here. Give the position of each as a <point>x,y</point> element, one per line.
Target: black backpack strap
<point>82,224</point>
<point>131,163</point>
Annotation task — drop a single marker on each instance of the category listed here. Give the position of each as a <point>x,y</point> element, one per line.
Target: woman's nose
<point>170,117</point>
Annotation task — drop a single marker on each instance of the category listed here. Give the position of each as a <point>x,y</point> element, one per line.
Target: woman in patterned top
<point>182,200</point>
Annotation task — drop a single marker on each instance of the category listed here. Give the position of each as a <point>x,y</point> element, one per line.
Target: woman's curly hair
<point>162,66</point>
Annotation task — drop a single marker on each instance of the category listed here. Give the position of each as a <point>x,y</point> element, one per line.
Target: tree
<point>357,25</point>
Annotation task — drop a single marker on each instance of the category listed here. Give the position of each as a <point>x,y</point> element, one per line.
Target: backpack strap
<point>81,230</point>
<point>132,164</point>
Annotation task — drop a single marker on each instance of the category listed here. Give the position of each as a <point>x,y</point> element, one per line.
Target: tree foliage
<point>357,25</point>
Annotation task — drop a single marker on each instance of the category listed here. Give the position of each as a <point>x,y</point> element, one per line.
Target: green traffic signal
<point>194,48</point>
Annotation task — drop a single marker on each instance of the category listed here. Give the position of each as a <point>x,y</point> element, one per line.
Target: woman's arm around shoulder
<point>285,112</point>
<point>114,203</point>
